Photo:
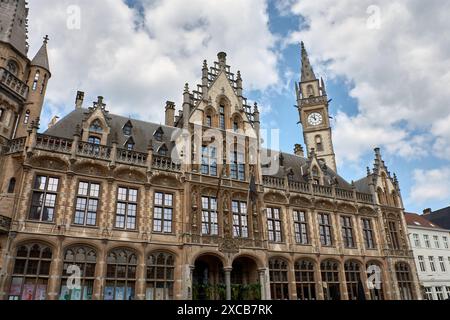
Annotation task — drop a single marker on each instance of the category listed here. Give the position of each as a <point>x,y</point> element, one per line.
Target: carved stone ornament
<point>229,245</point>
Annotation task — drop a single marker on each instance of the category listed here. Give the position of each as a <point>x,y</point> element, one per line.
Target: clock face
<point>315,119</point>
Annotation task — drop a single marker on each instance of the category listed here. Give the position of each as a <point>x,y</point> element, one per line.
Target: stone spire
<point>307,70</point>
<point>41,58</point>
<point>13,24</point>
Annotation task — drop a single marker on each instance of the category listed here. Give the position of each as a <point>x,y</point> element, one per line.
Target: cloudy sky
<point>386,65</point>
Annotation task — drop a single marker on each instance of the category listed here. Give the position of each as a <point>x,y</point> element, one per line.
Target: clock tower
<point>312,104</point>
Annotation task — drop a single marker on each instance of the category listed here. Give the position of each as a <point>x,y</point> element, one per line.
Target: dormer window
<point>315,175</point>
<point>127,128</point>
<point>94,140</point>
<point>129,145</point>
<point>96,126</point>
<point>163,151</point>
<point>158,135</point>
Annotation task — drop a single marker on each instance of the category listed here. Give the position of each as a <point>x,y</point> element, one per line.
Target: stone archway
<point>208,281</point>
<point>245,282</point>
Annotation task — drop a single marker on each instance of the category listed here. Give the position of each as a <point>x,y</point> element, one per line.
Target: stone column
<point>55,273</point>
<point>140,275</point>
<point>228,282</point>
<point>262,281</point>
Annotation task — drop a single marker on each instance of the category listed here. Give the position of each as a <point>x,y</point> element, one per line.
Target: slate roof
<point>143,132</point>
<point>41,58</point>
<point>440,217</point>
<point>415,220</point>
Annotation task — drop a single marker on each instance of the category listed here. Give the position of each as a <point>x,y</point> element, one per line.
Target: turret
<point>37,84</point>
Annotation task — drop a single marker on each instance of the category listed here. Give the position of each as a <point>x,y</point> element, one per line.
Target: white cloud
<point>400,72</point>
<point>430,185</point>
<point>137,61</point>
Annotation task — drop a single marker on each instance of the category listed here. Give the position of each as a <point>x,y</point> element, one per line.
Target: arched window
<point>36,80</point>
<point>85,259</point>
<point>31,273</point>
<point>355,287</point>
<point>2,112</point>
<point>279,284</point>
<point>120,275</point>
<point>404,281</point>
<point>375,277</point>
<point>96,126</point>
<point>380,195</point>
<point>330,275</point>
<point>319,144</point>
<point>12,67</point>
<point>310,91</point>
<point>305,280</point>
<point>44,82</point>
<point>12,185</point>
<point>222,117</point>
<point>394,199</point>
<point>26,118</point>
<point>127,128</point>
<point>208,121</point>
<point>160,276</point>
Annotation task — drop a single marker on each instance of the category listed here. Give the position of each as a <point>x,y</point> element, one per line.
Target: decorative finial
<point>186,88</point>
<point>239,74</point>
<point>368,171</point>
<point>46,38</point>
<point>205,64</point>
<point>255,107</point>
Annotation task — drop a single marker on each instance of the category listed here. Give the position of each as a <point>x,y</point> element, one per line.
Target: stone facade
<point>194,209</point>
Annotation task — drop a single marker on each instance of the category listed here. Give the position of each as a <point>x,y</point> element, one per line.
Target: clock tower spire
<point>312,104</point>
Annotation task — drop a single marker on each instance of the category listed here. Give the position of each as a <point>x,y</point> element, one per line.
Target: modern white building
<point>430,244</point>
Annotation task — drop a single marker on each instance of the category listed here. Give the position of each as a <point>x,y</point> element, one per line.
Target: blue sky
<point>386,66</point>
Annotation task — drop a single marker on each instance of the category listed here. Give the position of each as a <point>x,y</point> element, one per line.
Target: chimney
<point>427,212</point>
<point>170,113</point>
<point>79,100</point>
<point>222,57</point>
<point>298,150</point>
<point>53,121</point>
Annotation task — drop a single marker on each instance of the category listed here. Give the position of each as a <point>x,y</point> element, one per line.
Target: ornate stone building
<point>193,209</point>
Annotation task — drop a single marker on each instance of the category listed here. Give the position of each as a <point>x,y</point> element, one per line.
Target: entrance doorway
<point>208,281</point>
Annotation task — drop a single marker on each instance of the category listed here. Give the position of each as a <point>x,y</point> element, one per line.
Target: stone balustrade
<point>13,83</point>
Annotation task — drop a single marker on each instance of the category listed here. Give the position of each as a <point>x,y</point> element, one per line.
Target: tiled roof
<point>416,220</point>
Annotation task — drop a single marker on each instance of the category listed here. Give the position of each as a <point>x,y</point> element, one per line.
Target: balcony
<point>165,163</point>
<point>13,84</point>
<point>16,145</point>
<point>55,144</point>
<point>131,157</point>
<point>317,190</point>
